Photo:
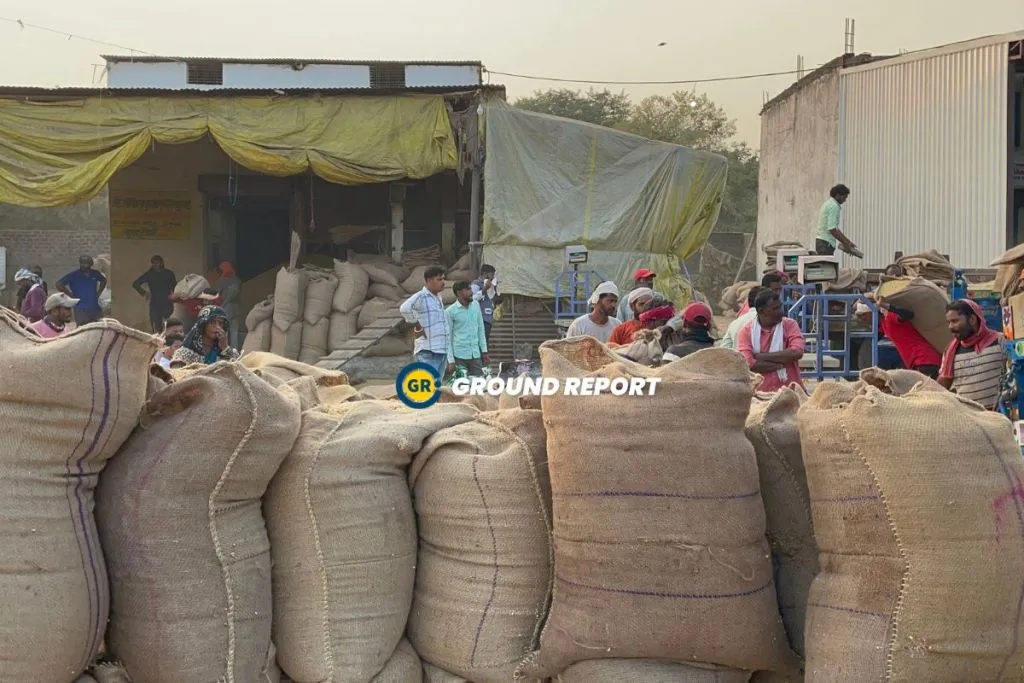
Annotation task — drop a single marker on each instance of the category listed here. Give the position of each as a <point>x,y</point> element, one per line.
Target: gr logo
<point>418,385</point>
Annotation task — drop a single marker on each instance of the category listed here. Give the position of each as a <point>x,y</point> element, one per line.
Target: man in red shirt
<point>915,351</point>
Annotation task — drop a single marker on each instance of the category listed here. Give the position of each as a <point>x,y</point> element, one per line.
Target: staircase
<point>362,340</point>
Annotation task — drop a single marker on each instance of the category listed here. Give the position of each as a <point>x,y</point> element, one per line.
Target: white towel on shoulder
<point>777,343</point>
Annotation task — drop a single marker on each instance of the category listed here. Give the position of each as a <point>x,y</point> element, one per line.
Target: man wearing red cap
<point>643,277</point>
<point>696,332</point>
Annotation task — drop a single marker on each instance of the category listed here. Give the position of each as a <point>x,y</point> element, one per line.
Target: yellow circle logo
<point>417,385</point>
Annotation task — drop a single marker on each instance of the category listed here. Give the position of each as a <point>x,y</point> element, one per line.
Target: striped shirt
<point>977,376</point>
<point>425,308</point>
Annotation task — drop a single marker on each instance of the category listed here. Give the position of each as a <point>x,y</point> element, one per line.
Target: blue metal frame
<point>567,288</point>
<point>811,312</point>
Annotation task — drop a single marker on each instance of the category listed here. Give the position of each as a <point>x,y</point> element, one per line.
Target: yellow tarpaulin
<point>54,154</point>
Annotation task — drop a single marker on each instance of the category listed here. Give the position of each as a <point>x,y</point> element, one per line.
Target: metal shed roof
<point>154,59</point>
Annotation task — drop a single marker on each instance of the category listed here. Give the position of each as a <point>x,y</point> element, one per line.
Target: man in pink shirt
<point>772,344</point>
<point>59,312</point>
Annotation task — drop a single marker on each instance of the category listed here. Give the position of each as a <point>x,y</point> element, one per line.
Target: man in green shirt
<point>828,224</point>
<point>467,344</point>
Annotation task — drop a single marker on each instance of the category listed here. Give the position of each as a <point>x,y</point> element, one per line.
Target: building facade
<point>929,143</point>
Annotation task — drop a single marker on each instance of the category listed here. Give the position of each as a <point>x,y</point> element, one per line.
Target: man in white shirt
<point>426,310</point>
<point>599,323</point>
<point>733,331</point>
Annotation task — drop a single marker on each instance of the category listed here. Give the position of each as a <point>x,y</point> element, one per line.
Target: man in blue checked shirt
<point>468,347</point>
<point>433,335</point>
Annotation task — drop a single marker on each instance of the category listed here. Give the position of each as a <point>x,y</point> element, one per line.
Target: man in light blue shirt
<point>425,309</point>
<point>468,345</point>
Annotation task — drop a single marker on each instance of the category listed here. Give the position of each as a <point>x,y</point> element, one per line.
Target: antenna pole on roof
<point>848,44</point>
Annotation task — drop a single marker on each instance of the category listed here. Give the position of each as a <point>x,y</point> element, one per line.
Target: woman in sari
<point>207,341</point>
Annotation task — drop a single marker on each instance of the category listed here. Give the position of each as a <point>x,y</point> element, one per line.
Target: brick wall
<point>52,238</point>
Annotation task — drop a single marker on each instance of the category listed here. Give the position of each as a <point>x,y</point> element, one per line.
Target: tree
<point>739,205</point>
<point>603,107</point>
<point>683,118</point>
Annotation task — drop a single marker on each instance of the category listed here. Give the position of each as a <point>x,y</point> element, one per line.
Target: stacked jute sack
<point>662,571</point>
<point>315,312</point>
<point>930,265</point>
<point>916,500</point>
<point>734,296</point>
<point>928,302</point>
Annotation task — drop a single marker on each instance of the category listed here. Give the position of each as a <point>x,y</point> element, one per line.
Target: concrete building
<point>929,142</point>
<point>195,205</point>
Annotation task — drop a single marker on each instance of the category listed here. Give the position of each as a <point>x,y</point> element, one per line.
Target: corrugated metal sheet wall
<point>923,146</point>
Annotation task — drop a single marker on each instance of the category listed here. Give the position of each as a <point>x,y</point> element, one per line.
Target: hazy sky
<point>589,39</point>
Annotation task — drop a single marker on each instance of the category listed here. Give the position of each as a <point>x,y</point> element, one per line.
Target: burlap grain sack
<point>352,285</point>
<point>899,382</point>
<point>343,538</point>
<point>460,275</point>
<point>179,515</point>
<point>415,281</point>
<point>289,296</point>
<point>264,310</point>
<point>286,342</point>
<point>647,671</point>
<point>287,370</point>
<point>372,310</point>
<point>190,286</point>
<point>315,340</point>
<point>917,512</point>
<point>645,349</point>
<point>319,297</point>
<point>771,428</point>
<point>258,338</point>
<point>483,506</point>
<point>435,674</point>
<point>403,667</point>
<point>344,326</point>
<point>57,436</point>
<point>389,292</point>
<point>448,293</point>
<point>927,301</point>
<point>481,403</point>
<point>659,541</point>
<point>380,275</point>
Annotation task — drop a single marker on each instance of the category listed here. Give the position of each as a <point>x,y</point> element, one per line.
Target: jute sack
<point>352,284</point>
<point>264,310</point>
<point>343,537</point>
<point>928,302</point>
<point>917,513</point>
<point>289,296</point>
<point>315,340</point>
<point>379,275</point>
<point>66,405</point>
<point>659,542</point>
<point>190,286</point>
<point>288,370</point>
<point>647,671</point>
<point>372,310</point>
<point>771,428</point>
<point>343,327</point>
<point>286,342</point>
<point>179,516</point>
<point>403,667</point>
<point>434,674</point>
<point>415,281</point>
<point>483,507</point>
<point>482,403</point>
<point>258,338</point>
<point>448,294</point>
<point>389,292</point>
<point>319,297</point>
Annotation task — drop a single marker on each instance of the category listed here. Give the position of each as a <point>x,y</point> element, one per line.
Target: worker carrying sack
<point>928,303</point>
<point>659,540</point>
<point>918,508</point>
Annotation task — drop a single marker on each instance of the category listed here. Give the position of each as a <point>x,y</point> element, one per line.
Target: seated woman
<point>207,341</point>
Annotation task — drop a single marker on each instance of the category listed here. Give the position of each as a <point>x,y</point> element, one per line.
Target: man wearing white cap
<point>59,312</point>
<point>599,323</point>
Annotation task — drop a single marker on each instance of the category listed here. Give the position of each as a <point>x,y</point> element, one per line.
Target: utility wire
<point>687,81</point>
<point>24,24</point>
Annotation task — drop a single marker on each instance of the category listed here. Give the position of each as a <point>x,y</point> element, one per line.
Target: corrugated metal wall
<point>923,144</point>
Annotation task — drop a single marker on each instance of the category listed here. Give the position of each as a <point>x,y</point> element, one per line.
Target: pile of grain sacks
<point>263,521</point>
<point>314,312</point>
